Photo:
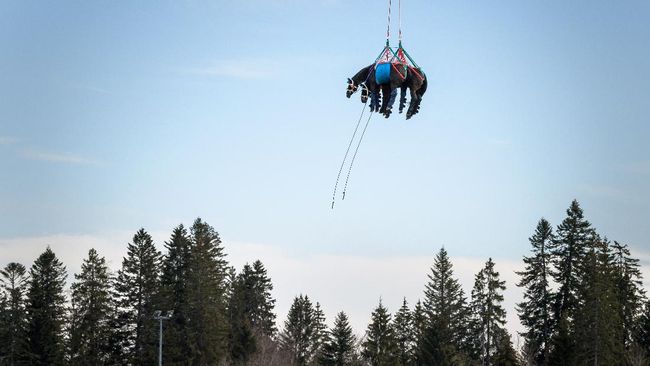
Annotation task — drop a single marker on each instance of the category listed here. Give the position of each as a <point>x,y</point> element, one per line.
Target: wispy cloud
<point>7,140</point>
<point>237,69</point>
<point>54,157</point>
<point>637,167</point>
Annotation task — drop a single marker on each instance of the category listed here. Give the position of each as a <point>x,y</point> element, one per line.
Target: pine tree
<point>92,299</point>
<point>208,270</point>
<point>338,350</point>
<point>379,347</point>
<point>562,345</point>
<point>642,329</point>
<point>628,284</point>
<point>13,329</point>
<point>46,310</point>
<point>137,290</point>
<point>445,305</point>
<point>250,311</point>
<point>404,335</point>
<point>320,334</point>
<point>598,327</point>
<point>298,334</point>
<point>174,281</point>
<point>505,353</point>
<point>488,315</point>
<point>420,323</point>
<point>572,237</point>
<point>536,311</point>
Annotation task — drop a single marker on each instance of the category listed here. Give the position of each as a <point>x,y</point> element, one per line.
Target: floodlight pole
<point>158,315</point>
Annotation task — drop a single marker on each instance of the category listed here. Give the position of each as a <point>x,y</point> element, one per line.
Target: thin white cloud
<point>638,167</point>
<point>54,157</point>
<point>7,140</point>
<point>237,69</point>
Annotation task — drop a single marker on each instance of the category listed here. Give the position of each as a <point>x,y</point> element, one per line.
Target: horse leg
<point>385,91</point>
<point>375,99</point>
<point>391,102</point>
<point>415,101</point>
<point>402,98</point>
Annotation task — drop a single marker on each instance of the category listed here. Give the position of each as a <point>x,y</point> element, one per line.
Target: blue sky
<point>117,115</point>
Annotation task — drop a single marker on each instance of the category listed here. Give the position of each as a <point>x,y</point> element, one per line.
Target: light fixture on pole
<point>158,315</point>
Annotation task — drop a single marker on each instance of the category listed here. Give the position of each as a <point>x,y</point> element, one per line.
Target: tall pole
<point>160,345</point>
<point>158,315</point>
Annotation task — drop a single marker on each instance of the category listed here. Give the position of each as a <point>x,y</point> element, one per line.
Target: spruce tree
<point>562,345</point>
<point>13,289</point>
<point>241,338</point>
<point>420,323</point>
<point>207,284</point>
<point>628,285</point>
<point>338,350</point>
<point>488,315</point>
<point>297,337</point>
<point>380,347</point>
<point>320,334</point>
<point>174,281</point>
<point>46,310</point>
<point>445,305</point>
<point>404,335</point>
<point>91,297</point>
<point>505,352</point>
<point>642,329</point>
<point>598,328</point>
<point>250,311</point>
<point>536,311</point>
<point>137,287</point>
<point>568,249</point>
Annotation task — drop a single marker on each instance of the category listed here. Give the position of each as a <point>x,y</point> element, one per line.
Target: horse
<point>365,79</point>
<point>416,82</point>
<point>399,77</point>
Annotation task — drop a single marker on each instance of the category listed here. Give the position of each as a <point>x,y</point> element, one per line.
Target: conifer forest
<point>583,304</point>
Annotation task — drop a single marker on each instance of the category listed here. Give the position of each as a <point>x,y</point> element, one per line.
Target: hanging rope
<point>345,188</point>
<point>399,17</point>
<point>388,28</point>
<point>346,153</point>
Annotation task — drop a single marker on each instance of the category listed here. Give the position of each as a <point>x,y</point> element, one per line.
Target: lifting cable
<point>345,188</point>
<point>346,154</point>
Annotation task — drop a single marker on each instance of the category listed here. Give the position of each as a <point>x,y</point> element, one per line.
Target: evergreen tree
<point>208,270</point>
<point>90,315</point>
<point>297,336</point>
<point>420,323</point>
<point>404,335</point>
<point>488,315</point>
<point>250,311</point>
<point>46,310</point>
<point>628,285</point>
<point>505,354</point>
<point>174,281</point>
<point>445,305</point>
<point>568,249</point>
<point>379,347</point>
<point>137,289</point>
<point>241,339</point>
<point>320,334</point>
<point>536,311</point>
<point>562,346</point>
<point>642,329</point>
<point>598,327</point>
<point>338,350</point>
<point>13,328</point>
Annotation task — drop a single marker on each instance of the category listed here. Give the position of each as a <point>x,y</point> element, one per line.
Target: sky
<point>116,115</point>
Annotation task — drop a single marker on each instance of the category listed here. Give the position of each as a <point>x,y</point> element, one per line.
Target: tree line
<point>583,304</point>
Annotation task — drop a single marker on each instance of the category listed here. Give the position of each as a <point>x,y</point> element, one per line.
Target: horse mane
<point>361,76</point>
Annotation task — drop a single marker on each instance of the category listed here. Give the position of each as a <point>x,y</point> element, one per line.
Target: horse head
<point>352,88</point>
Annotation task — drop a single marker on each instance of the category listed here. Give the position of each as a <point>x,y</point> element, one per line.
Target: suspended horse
<point>393,69</point>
